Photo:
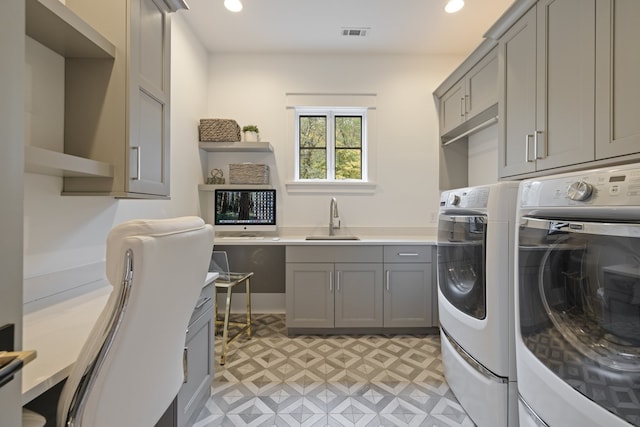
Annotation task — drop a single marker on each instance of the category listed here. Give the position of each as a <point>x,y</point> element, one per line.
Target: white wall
<point>483,157</point>
<point>63,232</point>
<point>251,89</point>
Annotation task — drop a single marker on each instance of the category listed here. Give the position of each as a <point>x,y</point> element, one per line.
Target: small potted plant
<point>251,133</point>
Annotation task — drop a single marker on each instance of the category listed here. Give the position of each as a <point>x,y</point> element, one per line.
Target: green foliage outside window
<point>347,143</point>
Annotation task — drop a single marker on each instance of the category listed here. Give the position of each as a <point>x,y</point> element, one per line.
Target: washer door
<point>461,261</point>
<point>579,304</point>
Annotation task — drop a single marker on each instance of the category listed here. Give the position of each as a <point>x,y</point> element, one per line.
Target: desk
<point>57,332</point>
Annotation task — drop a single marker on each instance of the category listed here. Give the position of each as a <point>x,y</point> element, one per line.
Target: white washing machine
<point>475,300</point>
<point>578,299</point>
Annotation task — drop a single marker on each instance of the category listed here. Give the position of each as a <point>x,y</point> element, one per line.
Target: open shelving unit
<point>235,146</point>
<point>58,28</point>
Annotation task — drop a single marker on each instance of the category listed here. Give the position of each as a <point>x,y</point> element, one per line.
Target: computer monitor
<point>245,210</point>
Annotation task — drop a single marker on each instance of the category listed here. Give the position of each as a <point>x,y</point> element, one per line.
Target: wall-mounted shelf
<point>57,27</point>
<point>213,187</point>
<point>236,146</point>
<point>48,162</point>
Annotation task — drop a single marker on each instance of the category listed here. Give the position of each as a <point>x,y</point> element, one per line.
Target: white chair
<point>131,367</point>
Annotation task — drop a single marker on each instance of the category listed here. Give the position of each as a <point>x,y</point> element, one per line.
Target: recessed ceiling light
<point>233,5</point>
<point>454,6</point>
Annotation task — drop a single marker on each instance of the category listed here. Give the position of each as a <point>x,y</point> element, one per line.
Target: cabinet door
<point>407,295</point>
<point>309,295</point>
<point>199,369</point>
<point>517,106</point>
<point>618,68</point>
<point>358,295</point>
<point>452,108</point>
<point>482,85</point>
<point>565,83</point>
<point>149,99</point>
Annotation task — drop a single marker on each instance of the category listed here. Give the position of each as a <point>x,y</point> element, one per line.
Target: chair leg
<point>215,311</point>
<point>248,296</point>
<point>225,331</point>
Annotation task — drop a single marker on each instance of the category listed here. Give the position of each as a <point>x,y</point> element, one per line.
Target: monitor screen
<point>245,209</point>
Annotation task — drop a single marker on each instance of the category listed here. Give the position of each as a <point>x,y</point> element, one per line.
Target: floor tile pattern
<point>363,380</point>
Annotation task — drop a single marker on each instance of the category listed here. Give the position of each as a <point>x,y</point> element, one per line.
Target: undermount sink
<point>327,237</point>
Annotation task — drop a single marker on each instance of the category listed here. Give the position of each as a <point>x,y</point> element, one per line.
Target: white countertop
<point>367,236</point>
<point>57,332</point>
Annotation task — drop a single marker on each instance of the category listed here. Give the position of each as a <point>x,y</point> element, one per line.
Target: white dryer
<point>578,299</point>
<point>475,300</point>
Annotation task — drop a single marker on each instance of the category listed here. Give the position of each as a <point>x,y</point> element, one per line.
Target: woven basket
<point>219,130</point>
<point>248,173</point>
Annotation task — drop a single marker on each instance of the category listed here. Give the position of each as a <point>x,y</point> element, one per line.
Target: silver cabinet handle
<point>330,281</point>
<point>388,279</point>
<point>138,154</point>
<point>408,254</point>
<point>339,275</point>
<point>527,147</point>
<point>202,302</point>
<point>462,107</point>
<point>535,145</point>
<point>185,365</point>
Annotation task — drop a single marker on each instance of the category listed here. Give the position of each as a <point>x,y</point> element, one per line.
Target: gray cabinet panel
<point>334,253</point>
<point>309,295</point>
<point>547,102</point>
<point>482,85</point>
<point>618,68</point>
<point>407,253</point>
<point>358,295</point>
<point>517,106</point>
<point>565,82</point>
<point>407,298</point>
<point>199,360</point>
<point>452,108</point>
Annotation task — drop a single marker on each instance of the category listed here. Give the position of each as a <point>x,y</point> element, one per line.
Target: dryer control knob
<point>454,200</point>
<point>580,191</point>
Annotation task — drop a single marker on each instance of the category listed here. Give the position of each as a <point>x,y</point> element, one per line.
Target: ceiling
<point>315,26</point>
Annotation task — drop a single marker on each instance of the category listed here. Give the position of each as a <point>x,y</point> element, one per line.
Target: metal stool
<point>228,283</point>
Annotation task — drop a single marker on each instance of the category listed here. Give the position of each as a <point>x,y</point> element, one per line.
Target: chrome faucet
<point>333,214</point>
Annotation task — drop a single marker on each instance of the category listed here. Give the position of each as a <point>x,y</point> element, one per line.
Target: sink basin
<point>322,237</point>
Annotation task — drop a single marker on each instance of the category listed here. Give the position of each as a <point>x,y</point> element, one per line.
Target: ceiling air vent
<point>354,32</point>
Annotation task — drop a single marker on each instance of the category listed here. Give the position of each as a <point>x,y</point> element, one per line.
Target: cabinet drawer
<point>205,301</point>
<point>335,253</point>
<point>407,253</point>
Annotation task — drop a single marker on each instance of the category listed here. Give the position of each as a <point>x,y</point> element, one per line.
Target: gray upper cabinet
<point>117,111</point>
<point>547,83</point>
<point>618,68</point>
<point>473,94</point>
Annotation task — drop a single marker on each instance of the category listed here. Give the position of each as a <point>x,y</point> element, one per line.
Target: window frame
<point>330,150</point>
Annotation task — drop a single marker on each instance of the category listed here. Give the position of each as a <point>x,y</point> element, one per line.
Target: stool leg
<point>248,295</point>
<point>225,332</point>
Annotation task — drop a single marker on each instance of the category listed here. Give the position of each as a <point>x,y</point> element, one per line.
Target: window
<point>331,144</point>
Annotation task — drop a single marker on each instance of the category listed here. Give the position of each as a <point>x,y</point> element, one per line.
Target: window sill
<point>331,187</point>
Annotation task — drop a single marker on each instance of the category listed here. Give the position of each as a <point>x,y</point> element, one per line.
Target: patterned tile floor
<point>363,380</point>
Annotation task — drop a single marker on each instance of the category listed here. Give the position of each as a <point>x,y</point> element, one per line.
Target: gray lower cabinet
<point>355,287</point>
<point>199,360</point>
<point>327,295</point>
<point>309,295</point>
<point>408,296</point>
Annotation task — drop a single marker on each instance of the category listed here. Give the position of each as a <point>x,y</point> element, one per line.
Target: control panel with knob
<point>454,200</point>
<point>580,191</point>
